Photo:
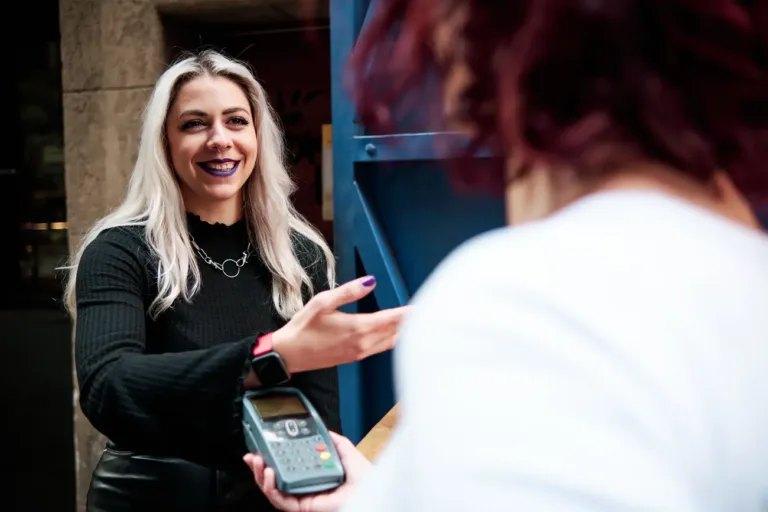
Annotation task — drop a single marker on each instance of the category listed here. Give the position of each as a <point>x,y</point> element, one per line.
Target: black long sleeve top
<point>172,386</point>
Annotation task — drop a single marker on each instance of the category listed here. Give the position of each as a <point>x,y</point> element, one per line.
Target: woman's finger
<point>385,321</point>
<point>363,324</point>
<point>382,319</point>
<point>353,461</point>
<point>377,342</point>
<point>256,463</point>
<point>347,293</point>
<point>278,499</point>
<point>343,444</point>
<point>265,479</point>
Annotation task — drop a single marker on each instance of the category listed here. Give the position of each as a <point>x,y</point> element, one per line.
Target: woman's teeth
<point>219,168</point>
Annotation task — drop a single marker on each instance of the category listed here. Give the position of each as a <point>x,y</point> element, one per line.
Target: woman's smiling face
<point>212,141</point>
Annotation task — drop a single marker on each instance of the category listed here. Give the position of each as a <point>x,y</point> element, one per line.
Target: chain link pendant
<point>239,263</point>
<point>237,268</point>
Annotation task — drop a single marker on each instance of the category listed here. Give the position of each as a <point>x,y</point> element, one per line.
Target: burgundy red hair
<point>590,84</point>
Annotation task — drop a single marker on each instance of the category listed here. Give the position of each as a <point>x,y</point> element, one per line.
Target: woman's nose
<point>219,139</point>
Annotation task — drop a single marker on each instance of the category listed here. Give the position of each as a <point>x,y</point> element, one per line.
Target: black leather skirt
<point>125,481</point>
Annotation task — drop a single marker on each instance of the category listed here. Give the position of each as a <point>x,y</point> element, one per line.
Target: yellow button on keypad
<point>325,456</point>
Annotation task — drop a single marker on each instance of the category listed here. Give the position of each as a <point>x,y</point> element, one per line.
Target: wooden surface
<point>375,440</point>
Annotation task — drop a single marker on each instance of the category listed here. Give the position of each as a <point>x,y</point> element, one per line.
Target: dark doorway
<point>35,360</point>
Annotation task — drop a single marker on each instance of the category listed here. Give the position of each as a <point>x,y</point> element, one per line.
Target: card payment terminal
<point>283,427</point>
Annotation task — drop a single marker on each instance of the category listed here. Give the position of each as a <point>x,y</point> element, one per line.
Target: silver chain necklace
<point>220,266</point>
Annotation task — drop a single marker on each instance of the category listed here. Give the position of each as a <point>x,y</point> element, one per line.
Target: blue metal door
<point>395,216</point>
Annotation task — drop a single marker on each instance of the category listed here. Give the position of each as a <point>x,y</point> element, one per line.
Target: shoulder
<point>118,238</point>
<point>583,275</point>
<point>476,275</point>
<point>121,246</point>
<point>510,280</point>
<point>591,250</point>
<point>557,331</point>
<point>484,266</point>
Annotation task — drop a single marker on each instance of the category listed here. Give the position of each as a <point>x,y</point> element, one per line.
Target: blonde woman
<point>204,282</point>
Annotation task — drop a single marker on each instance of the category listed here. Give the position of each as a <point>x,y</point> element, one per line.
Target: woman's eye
<point>194,123</point>
<point>239,120</point>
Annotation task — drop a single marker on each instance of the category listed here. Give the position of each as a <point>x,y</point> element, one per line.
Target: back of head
<point>585,85</point>
<point>153,198</point>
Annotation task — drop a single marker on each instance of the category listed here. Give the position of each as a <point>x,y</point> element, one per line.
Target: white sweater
<point>612,357</point>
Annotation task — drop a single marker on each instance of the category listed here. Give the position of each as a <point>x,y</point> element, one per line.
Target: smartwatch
<point>267,364</point>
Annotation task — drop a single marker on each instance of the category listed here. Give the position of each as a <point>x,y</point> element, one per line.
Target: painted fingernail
<point>370,281</point>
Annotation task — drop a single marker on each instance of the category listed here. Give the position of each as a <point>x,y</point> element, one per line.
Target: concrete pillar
<point>112,53</point>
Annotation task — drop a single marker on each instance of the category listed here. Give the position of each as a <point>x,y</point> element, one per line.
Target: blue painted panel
<point>376,254</point>
<point>395,214</point>
<point>412,146</point>
<point>346,17</point>
<point>422,218</point>
<point>422,214</point>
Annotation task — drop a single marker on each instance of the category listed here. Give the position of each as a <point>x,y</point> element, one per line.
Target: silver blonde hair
<point>153,199</point>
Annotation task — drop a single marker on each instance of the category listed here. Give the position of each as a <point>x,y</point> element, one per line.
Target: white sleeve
<point>508,403</point>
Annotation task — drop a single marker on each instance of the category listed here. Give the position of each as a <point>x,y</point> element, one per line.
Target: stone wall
<point>112,52</point>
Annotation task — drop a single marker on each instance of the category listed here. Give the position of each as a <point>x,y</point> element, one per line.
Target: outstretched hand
<point>321,336</point>
<point>355,465</point>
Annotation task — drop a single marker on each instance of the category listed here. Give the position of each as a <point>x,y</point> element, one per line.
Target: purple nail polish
<point>370,281</point>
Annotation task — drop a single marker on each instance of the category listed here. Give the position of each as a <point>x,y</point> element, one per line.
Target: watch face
<point>270,369</point>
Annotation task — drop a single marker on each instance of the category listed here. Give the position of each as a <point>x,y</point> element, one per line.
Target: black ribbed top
<point>172,386</point>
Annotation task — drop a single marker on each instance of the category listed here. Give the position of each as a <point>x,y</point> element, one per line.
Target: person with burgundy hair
<point>609,351</point>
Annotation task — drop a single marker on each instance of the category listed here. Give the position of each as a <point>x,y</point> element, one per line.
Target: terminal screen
<point>275,406</point>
